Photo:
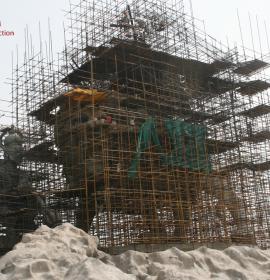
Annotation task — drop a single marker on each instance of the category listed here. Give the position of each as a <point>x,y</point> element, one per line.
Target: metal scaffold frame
<point>145,130</point>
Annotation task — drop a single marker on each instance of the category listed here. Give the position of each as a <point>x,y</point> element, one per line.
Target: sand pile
<point>66,252</point>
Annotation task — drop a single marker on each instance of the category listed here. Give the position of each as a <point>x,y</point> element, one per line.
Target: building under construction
<point>145,130</point>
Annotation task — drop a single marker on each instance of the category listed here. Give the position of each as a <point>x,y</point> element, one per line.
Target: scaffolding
<point>145,130</point>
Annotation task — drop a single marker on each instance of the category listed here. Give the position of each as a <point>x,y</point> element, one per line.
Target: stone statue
<point>19,206</point>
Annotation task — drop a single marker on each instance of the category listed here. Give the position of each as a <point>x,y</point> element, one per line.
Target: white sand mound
<point>66,252</point>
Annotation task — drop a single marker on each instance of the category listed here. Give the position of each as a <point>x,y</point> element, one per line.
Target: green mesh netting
<point>187,145</point>
<point>147,137</point>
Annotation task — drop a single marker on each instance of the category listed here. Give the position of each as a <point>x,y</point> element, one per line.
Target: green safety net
<point>187,145</point>
<point>147,137</point>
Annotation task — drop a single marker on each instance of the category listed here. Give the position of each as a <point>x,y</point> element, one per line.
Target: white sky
<point>220,18</point>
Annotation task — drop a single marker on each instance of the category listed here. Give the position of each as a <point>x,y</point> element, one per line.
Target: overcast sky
<point>220,17</point>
